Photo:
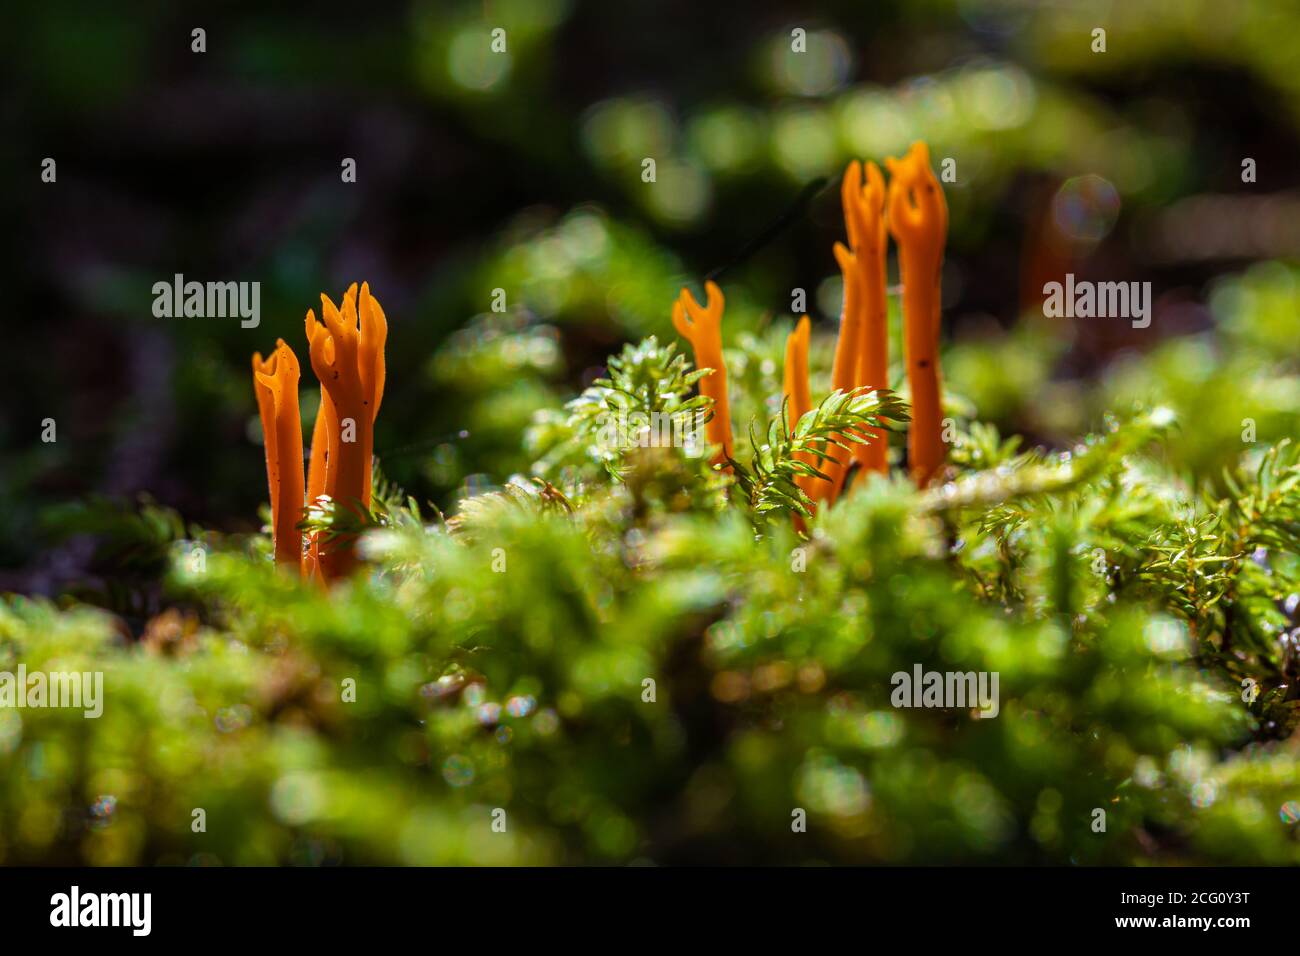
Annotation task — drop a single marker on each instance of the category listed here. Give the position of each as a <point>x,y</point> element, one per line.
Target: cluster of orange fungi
<point>347,355</point>
<point>912,210</point>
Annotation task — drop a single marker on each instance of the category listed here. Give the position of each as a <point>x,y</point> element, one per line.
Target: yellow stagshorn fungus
<point>918,221</point>
<point>347,355</point>
<point>846,370</point>
<point>868,236</point>
<point>702,327</point>
<point>795,391</point>
<point>862,347</point>
<point>326,425</point>
<point>912,210</point>
<point>275,383</point>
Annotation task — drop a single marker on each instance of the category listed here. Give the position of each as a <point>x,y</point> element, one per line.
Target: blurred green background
<point>522,171</point>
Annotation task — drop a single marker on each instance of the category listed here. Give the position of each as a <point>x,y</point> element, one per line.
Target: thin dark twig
<point>782,222</point>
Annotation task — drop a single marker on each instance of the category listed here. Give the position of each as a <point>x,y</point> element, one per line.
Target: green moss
<point>637,657</point>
